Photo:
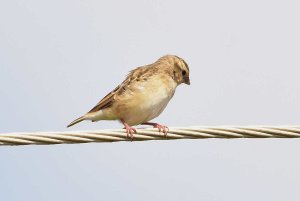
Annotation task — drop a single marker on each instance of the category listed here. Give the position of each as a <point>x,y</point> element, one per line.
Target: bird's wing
<point>109,99</point>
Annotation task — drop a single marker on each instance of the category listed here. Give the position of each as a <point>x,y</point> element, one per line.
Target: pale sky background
<point>59,57</point>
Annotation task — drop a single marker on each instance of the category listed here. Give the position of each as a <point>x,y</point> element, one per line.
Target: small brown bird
<point>143,95</point>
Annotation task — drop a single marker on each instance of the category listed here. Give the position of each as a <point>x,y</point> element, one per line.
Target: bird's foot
<point>161,128</point>
<point>129,130</point>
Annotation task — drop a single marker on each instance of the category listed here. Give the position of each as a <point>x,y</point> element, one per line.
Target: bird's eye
<point>183,72</point>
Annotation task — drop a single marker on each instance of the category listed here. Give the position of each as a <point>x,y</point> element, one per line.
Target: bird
<point>142,96</point>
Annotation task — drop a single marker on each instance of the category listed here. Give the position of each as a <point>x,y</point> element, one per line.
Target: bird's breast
<point>146,101</point>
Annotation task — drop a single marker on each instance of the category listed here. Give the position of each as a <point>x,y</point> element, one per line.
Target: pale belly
<point>145,112</point>
<point>145,104</point>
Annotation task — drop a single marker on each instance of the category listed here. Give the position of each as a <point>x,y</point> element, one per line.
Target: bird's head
<point>178,69</point>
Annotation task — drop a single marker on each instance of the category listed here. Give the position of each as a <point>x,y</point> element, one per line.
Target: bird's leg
<point>129,129</point>
<point>160,127</point>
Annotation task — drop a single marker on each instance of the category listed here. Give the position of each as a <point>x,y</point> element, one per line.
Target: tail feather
<point>80,119</point>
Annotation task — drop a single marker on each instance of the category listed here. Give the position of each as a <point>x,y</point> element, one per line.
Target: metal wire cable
<point>115,135</point>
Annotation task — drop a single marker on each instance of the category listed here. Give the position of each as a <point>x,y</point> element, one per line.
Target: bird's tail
<point>76,121</point>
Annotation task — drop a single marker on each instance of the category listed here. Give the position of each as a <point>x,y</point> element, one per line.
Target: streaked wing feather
<point>104,103</point>
<point>109,99</point>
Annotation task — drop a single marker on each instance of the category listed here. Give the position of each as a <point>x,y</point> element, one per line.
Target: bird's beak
<point>187,80</point>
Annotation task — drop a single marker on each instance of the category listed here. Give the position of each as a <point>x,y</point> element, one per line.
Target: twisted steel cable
<point>115,135</point>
